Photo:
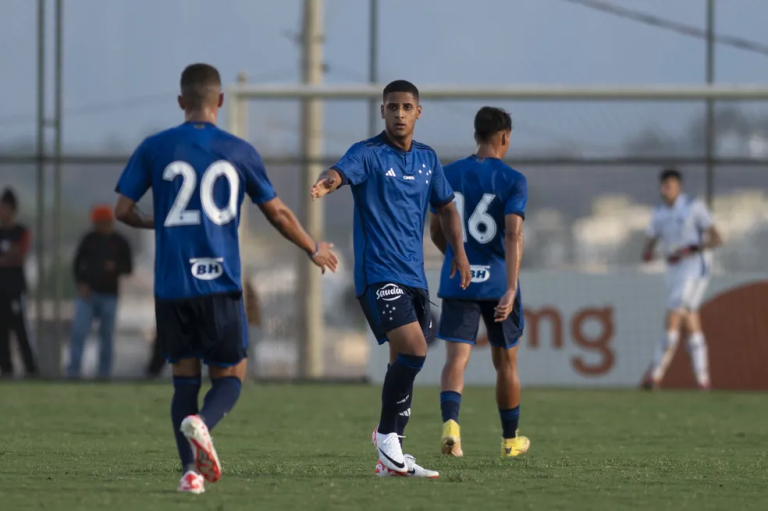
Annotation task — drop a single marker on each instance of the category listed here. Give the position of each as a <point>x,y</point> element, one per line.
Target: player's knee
<point>187,367</point>
<point>408,340</point>
<point>457,355</point>
<point>695,341</point>
<point>672,339</point>
<point>234,371</point>
<point>505,360</point>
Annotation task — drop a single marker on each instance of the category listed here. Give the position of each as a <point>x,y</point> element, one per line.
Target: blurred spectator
<point>102,257</point>
<point>14,245</point>
<point>252,313</point>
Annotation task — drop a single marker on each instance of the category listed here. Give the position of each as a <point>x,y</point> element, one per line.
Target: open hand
<point>324,258</point>
<point>323,187</point>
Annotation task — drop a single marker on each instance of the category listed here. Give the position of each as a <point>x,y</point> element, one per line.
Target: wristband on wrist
<point>317,250</point>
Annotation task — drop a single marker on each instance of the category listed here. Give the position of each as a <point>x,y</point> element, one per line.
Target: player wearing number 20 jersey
<point>491,198</point>
<point>199,176</point>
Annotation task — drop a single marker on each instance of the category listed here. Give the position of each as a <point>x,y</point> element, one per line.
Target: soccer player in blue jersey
<point>393,180</point>
<point>491,199</point>
<point>199,174</point>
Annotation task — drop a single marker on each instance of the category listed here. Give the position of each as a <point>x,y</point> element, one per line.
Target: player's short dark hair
<point>490,120</point>
<point>401,86</point>
<point>9,197</point>
<point>670,174</point>
<point>200,83</point>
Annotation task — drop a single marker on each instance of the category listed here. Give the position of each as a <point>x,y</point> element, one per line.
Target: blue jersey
<point>199,175</point>
<point>486,191</point>
<point>392,190</point>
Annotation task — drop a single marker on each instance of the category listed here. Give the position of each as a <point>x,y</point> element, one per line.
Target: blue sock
<point>220,400</point>
<point>404,414</point>
<point>398,384</point>
<point>184,404</point>
<point>509,420</point>
<point>450,403</point>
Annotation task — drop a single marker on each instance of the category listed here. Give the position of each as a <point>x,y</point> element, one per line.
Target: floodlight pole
<point>710,122</point>
<point>373,67</point>
<point>57,224</point>
<point>310,286</point>
<point>40,174</point>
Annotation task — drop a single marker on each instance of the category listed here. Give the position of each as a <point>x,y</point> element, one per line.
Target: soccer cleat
<point>192,482</point>
<point>391,452</point>
<point>511,447</point>
<point>451,442</point>
<point>206,459</point>
<point>414,470</point>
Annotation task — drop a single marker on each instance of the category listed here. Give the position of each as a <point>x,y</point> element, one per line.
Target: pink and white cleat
<point>192,482</point>
<point>206,459</point>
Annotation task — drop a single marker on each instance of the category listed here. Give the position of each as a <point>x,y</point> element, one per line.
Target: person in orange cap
<point>103,255</point>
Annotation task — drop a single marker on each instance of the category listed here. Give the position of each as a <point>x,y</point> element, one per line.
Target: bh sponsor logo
<point>389,292</point>
<point>207,268</point>
<point>480,273</point>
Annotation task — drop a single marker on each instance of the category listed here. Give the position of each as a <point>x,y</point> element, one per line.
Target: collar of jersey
<point>679,201</point>
<point>477,158</point>
<point>205,123</point>
<point>391,144</point>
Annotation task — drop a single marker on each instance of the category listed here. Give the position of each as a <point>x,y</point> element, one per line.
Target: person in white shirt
<point>687,233</point>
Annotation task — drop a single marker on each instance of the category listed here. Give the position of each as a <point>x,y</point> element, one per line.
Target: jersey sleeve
<point>442,193</point>
<point>257,184</point>
<point>353,166</point>
<point>137,175</point>
<point>518,198</point>
<point>702,218</point>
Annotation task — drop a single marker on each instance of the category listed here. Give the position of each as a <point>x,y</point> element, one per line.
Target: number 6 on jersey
<point>479,217</point>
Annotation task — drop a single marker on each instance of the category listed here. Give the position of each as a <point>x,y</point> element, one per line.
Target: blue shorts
<point>211,328</point>
<point>388,305</point>
<point>460,320</point>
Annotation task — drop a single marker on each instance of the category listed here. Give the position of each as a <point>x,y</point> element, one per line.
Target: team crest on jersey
<point>207,268</point>
<point>389,292</point>
<point>480,273</point>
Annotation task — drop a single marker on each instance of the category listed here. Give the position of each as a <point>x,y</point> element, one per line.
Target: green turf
<point>82,447</point>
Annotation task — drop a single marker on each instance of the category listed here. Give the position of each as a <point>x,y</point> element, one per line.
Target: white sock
<point>664,353</point>
<point>697,348</point>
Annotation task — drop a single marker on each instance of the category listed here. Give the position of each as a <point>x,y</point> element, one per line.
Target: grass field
<point>82,447</point>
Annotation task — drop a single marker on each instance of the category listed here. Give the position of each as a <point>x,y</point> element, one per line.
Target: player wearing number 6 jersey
<point>491,199</point>
<point>199,175</point>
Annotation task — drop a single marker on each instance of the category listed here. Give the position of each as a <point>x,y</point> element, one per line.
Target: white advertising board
<point>581,330</point>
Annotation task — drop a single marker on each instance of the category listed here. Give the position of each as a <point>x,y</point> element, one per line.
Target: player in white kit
<point>685,228</point>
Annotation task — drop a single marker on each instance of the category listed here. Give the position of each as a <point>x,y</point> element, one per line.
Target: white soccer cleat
<point>414,470</point>
<point>192,482</point>
<point>206,459</point>
<point>391,453</point>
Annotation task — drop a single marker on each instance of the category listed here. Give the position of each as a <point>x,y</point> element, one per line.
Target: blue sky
<point>120,51</point>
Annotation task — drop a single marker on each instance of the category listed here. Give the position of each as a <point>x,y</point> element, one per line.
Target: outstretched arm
<point>450,224</point>
<point>328,182</point>
<point>128,212</point>
<point>283,219</point>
